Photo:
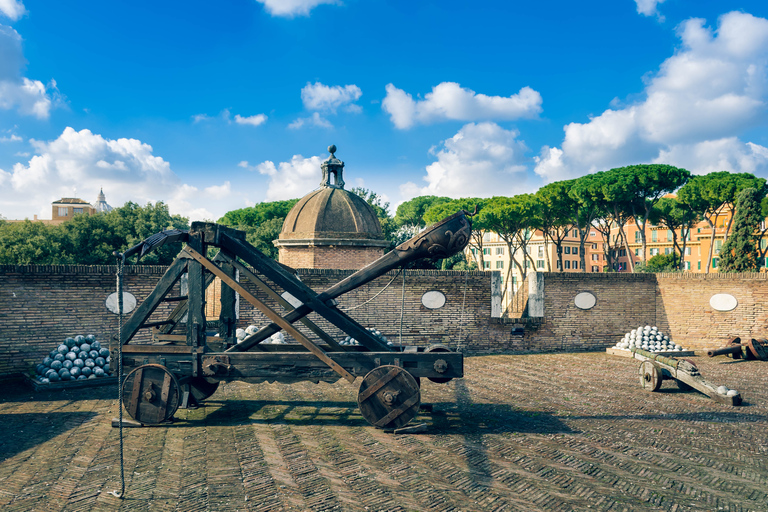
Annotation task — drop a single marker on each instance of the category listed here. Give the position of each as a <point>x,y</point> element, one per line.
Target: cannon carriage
<point>184,364</point>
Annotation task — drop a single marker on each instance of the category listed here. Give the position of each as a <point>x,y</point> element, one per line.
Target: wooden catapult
<point>182,369</point>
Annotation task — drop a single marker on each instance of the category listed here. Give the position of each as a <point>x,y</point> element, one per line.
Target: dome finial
<point>332,167</point>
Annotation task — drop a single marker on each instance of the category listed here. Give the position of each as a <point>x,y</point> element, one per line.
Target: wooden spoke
<point>650,376</point>
<point>389,397</point>
<point>151,394</point>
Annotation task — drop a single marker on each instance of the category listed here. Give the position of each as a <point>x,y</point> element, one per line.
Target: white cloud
<point>29,97</point>
<point>322,97</point>
<point>449,100</point>
<point>252,120</point>
<point>13,9</point>
<point>714,87</point>
<point>480,160</point>
<point>291,8</point>
<point>728,154</point>
<point>648,8</point>
<point>126,169</point>
<point>314,120</point>
<point>199,118</point>
<point>11,138</point>
<point>289,180</point>
<point>219,191</point>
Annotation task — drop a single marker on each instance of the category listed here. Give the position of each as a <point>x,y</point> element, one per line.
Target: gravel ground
<point>520,432</point>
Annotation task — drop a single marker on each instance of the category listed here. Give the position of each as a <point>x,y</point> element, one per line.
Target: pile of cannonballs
<point>648,338</point>
<point>349,340</point>
<point>276,339</point>
<point>78,358</point>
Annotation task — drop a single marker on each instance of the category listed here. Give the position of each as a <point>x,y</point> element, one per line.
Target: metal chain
<point>120,263</point>
<point>402,311</point>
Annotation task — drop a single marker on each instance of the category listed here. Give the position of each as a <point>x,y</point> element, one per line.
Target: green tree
<point>649,183</point>
<point>135,223</point>
<point>257,214</point>
<point>411,213</point>
<point>262,223</point>
<point>673,215</point>
<point>381,208</point>
<point>588,208</point>
<point>29,243</point>
<point>555,216</point>
<point>513,219</point>
<point>661,263</point>
<point>740,252</point>
<point>713,195</point>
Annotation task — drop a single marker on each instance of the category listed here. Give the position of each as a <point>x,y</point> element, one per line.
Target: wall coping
<point>81,269</point>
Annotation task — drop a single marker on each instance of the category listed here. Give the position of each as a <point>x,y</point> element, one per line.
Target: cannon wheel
<point>650,376</point>
<point>200,388</point>
<point>757,349</point>
<point>439,347</point>
<point>389,397</point>
<point>151,394</point>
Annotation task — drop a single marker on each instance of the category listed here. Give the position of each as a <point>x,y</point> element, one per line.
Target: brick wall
<point>41,305</point>
<point>678,304</point>
<point>329,257</point>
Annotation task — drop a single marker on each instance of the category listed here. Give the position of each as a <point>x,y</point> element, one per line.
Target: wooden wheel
<point>200,388</point>
<point>151,394</point>
<point>388,397</point>
<point>439,347</point>
<point>757,349</point>
<point>650,376</point>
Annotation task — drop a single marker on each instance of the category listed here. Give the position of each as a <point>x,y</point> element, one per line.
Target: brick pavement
<point>520,432</point>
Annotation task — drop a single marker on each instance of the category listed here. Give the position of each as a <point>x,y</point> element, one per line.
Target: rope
<point>120,263</point>
<point>377,294</point>
<point>402,311</point>
<point>463,304</point>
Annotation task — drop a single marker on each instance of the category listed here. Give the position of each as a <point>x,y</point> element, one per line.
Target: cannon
<point>750,350</point>
<point>184,364</point>
<point>654,369</point>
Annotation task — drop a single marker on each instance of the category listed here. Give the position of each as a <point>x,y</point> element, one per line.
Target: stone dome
<point>331,227</point>
<point>331,213</point>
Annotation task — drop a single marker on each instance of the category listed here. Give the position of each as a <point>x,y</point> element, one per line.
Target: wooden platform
<point>627,353</point>
<point>70,384</point>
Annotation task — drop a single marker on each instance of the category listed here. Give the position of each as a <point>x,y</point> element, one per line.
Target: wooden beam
<point>284,303</point>
<point>311,301</point>
<point>269,313</point>
<point>148,305</point>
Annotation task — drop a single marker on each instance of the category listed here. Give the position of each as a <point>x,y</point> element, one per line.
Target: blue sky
<point>213,106</point>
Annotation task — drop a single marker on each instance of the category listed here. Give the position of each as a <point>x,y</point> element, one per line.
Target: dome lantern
<point>331,227</point>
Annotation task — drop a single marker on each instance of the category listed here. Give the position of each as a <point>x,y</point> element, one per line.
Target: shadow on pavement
<point>26,430</point>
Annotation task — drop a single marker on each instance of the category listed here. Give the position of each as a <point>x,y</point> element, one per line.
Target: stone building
<point>331,227</point>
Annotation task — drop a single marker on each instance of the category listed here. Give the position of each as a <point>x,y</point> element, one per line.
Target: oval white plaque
<point>585,300</point>
<point>433,299</point>
<point>129,302</point>
<point>723,302</point>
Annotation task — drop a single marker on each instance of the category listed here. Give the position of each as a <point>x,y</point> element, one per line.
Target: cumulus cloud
<point>28,97</point>
<point>315,120</point>
<point>649,8</point>
<point>482,159</point>
<point>288,180</point>
<point>728,154</point>
<point>127,169</point>
<point>322,97</point>
<point>710,90</point>
<point>12,9</point>
<point>292,8</point>
<point>450,101</point>
<point>252,120</point>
